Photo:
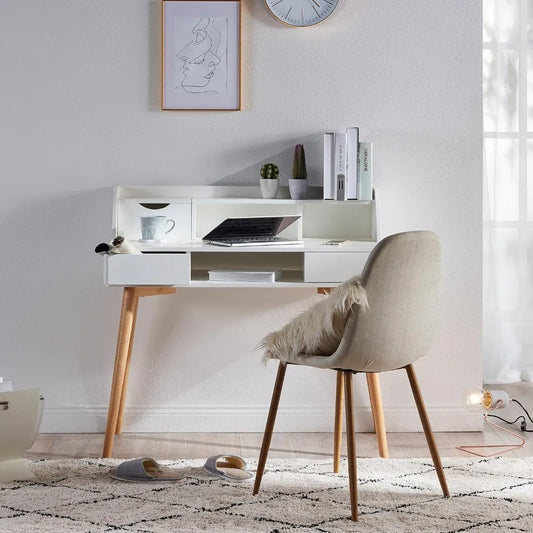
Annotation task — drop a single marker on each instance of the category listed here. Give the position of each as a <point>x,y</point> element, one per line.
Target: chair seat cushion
<point>318,330</point>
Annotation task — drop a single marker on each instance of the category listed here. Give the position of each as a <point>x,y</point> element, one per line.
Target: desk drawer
<point>147,269</point>
<point>333,266</point>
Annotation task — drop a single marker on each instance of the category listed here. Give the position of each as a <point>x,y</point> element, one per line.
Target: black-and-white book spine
<point>340,166</point>
<point>365,171</point>
<point>329,169</point>
<point>352,167</point>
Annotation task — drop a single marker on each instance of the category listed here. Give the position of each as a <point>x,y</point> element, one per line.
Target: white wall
<point>80,113</point>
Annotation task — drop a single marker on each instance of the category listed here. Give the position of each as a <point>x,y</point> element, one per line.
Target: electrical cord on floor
<point>522,418</point>
<point>501,448</point>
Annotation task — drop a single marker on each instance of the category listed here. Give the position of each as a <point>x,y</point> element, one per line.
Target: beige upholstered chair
<point>401,280</point>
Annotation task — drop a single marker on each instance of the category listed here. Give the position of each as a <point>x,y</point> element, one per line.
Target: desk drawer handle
<point>4,406</point>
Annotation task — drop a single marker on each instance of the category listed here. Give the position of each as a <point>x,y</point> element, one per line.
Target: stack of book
<point>244,275</point>
<point>347,166</point>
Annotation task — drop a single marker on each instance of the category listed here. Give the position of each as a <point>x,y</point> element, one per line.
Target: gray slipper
<point>230,467</point>
<point>144,469</point>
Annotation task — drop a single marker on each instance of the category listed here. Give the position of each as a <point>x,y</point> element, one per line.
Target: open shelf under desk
<point>290,264</point>
<point>288,278</point>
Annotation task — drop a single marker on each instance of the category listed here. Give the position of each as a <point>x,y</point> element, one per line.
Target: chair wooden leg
<point>427,428</point>
<point>350,441</point>
<point>337,437</point>
<point>267,437</point>
<point>374,391</point>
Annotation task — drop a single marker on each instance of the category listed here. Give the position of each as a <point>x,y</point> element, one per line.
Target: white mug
<point>156,228</point>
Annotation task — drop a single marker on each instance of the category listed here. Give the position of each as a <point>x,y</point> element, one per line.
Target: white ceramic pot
<point>269,187</point>
<point>298,188</point>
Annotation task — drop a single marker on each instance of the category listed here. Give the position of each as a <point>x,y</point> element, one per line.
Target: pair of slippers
<point>231,467</point>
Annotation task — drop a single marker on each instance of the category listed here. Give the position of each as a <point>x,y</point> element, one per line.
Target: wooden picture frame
<point>201,55</point>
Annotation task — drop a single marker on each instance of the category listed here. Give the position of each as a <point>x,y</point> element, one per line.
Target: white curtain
<point>508,193</point>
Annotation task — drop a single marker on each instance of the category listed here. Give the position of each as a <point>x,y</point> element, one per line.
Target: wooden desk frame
<point>119,385</point>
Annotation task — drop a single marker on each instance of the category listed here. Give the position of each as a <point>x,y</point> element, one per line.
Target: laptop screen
<point>251,227</point>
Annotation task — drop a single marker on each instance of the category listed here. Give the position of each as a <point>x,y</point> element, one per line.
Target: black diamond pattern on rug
<point>402,495</point>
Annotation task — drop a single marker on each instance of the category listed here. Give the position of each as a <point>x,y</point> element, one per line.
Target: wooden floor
<point>287,445</point>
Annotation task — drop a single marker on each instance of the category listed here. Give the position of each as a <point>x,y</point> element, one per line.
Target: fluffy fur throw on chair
<point>318,330</point>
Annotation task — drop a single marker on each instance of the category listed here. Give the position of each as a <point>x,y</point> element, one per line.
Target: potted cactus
<point>269,181</point>
<point>298,182</point>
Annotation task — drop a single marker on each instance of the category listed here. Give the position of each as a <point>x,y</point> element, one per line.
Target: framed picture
<point>201,54</point>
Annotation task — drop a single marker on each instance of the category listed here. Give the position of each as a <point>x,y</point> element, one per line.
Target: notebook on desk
<point>251,231</point>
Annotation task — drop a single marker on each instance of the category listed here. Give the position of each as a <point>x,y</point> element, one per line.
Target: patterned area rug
<point>297,495</point>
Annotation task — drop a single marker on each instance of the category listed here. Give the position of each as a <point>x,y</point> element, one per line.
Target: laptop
<point>251,231</point>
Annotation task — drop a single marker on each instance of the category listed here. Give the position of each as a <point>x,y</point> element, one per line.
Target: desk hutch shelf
<point>183,260</point>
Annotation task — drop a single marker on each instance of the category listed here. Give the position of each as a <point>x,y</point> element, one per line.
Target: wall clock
<point>300,13</point>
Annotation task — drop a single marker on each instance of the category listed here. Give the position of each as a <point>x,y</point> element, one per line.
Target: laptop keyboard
<point>236,240</point>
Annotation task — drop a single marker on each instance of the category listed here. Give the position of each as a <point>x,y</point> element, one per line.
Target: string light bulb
<point>487,399</point>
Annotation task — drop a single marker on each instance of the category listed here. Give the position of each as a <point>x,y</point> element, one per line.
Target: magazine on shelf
<point>365,171</point>
<point>244,275</point>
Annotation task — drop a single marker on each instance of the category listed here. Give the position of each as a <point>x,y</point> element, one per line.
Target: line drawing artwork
<point>201,51</point>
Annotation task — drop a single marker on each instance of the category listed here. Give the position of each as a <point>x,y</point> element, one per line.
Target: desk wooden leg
<point>130,301</point>
<point>337,437</point>
<point>119,385</point>
<point>120,418</point>
<point>324,290</point>
<point>374,390</point>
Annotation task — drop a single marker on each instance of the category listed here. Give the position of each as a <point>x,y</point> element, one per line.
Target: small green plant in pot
<point>269,181</point>
<point>298,182</point>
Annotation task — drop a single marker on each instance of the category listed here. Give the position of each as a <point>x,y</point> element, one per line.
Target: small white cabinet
<point>183,260</point>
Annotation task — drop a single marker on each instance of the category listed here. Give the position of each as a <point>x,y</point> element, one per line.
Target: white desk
<point>311,264</point>
<point>184,261</point>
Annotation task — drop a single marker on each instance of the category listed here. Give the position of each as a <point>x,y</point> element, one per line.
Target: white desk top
<point>309,245</point>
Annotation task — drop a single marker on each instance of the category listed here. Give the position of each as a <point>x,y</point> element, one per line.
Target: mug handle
<point>171,227</point>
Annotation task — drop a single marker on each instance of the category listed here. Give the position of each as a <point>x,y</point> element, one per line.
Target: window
<point>508,188</point>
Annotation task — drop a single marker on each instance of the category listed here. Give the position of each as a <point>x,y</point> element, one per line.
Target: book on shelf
<point>365,171</point>
<point>244,275</point>
<point>341,169</point>
<point>329,171</point>
<point>340,166</point>
<point>352,167</point>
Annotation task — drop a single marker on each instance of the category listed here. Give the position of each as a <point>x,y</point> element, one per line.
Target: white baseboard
<point>249,419</point>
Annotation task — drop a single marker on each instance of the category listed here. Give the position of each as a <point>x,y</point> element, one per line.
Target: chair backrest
<point>401,279</point>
